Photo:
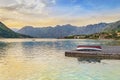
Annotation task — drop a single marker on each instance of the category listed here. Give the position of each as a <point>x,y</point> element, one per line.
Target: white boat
<point>88,48</point>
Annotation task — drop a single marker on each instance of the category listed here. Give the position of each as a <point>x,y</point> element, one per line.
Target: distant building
<point>118,34</point>
<point>79,37</point>
<point>76,37</point>
<point>102,36</point>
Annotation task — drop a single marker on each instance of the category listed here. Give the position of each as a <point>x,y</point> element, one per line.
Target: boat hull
<point>88,49</point>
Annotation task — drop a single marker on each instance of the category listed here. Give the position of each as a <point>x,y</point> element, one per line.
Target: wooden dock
<point>110,52</point>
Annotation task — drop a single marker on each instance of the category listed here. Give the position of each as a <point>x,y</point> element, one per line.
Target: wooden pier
<point>111,52</point>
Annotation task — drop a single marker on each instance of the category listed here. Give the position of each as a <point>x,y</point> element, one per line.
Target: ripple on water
<point>45,60</point>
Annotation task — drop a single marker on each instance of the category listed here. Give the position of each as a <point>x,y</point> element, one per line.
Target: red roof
<point>89,46</point>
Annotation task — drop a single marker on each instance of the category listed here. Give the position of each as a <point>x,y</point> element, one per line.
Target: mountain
<point>112,27</point>
<point>14,29</point>
<point>61,31</point>
<point>5,32</point>
<point>111,31</point>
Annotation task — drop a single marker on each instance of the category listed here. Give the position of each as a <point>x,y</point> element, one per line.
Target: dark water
<point>44,59</point>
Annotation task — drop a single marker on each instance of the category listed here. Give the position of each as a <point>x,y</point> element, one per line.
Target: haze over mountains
<point>60,31</point>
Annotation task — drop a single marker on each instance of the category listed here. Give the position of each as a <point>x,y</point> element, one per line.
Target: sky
<point>43,13</point>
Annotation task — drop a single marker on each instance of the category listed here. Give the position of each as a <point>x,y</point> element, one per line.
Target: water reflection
<point>3,48</point>
<point>89,60</point>
<point>45,60</point>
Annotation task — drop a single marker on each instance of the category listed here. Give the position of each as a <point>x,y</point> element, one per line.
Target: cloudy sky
<point>19,13</point>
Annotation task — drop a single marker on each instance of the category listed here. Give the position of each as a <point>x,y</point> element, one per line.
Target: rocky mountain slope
<point>60,31</point>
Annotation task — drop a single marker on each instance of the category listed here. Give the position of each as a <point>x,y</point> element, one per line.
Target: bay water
<point>44,59</point>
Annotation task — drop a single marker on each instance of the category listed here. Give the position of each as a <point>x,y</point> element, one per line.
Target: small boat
<point>88,48</point>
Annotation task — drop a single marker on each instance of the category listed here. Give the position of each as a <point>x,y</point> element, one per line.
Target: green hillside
<point>5,32</point>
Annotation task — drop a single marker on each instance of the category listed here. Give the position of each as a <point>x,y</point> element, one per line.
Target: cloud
<point>27,6</point>
<point>18,13</point>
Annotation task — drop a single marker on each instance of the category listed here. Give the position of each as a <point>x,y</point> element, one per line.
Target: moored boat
<point>88,48</point>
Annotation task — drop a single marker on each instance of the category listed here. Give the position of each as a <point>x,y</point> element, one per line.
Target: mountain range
<point>111,31</point>
<point>5,32</point>
<point>112,27</point>
<point>58,31</point>
<point>61,31</point>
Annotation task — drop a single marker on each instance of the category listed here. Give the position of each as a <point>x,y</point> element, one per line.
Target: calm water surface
<point>44,59</point>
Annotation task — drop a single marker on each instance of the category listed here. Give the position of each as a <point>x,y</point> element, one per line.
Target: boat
<point>88,48</point>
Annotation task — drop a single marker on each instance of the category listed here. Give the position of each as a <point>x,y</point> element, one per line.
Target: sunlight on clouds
<point>77,21</point>
<point>18,20</point>
<point>40,13</point>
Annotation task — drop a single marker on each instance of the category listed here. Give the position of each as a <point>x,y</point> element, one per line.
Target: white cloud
<point>27,6</point>
<point>6,2</point>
